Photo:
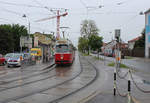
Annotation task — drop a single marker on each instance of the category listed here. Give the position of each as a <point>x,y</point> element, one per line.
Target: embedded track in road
<point>9,82</point>
<point>80,74</point>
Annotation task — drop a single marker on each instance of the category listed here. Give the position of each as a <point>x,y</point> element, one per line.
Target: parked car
<point>2,60</point>
<point>15,60</point>
<point>7,56</point>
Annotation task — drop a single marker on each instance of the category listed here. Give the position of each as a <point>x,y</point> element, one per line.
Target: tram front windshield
<point>62,48</point>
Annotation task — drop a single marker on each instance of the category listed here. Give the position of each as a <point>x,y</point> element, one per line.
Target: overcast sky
<point>114,14</point>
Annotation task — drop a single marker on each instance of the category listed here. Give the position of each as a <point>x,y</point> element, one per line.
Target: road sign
<point>24,41</point>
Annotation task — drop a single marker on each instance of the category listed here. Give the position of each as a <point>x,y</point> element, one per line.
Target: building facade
<point>131,43</point>
<point>147,34</point>
<point>108,49</point>
<point>46,45</point>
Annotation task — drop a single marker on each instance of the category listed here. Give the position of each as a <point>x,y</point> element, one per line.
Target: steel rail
<point>41,90</point>
<point>54,86</point>
<point>86,85</point>
<point>26,77</point>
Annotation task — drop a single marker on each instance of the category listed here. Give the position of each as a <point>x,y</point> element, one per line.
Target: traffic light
<point>117,39</point>
<point>117,34</point>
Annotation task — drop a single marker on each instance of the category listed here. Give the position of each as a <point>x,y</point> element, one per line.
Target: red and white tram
<point>64,52</point>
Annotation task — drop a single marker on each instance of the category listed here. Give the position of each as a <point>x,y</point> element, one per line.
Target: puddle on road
<point>62,72</point>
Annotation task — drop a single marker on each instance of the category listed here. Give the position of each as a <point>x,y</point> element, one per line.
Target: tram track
<point>17,72</point>
<point>42,90</point>
<point>46,70</point>
<point>90,82</point>
<point>35,75</point>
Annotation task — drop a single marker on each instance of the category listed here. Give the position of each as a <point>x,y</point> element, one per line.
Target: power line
<point>107,13</point>
<point>10,11</point>
<point>41,5</point>
<point>123,2</point>
<point>38,3</point>
<point>6,19</point>
<point>83,3</point>
<point>15,4</point>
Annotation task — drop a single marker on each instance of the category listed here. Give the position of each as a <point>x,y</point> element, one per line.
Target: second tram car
<point>64,52</point>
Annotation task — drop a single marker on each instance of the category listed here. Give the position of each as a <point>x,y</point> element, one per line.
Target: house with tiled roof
<point>131,43</point>
<point>45,43</point>
<point>109,48</point>
<point>42,39</point>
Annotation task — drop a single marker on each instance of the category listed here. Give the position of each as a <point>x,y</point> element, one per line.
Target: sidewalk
<point>108,98</point>
<point>139,64</point>
<point>142,59</point>
<point>139,75</point>
<point>105,86</point>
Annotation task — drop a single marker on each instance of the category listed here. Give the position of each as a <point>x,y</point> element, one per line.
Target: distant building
<point>131,43</point>
<point>46,44</point>
<point>147,34</point>
<point>25,41</point>
<point>103,47</point>
<point>109,48</point>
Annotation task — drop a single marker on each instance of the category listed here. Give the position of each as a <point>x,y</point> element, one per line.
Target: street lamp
<point>141,13</point>
<point>29,40</point>
<point>24,16</point>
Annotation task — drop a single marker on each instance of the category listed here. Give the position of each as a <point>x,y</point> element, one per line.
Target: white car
<point>7,56</point>
<point>15,60</point>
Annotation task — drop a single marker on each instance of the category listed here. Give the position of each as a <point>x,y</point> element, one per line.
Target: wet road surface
<point>45,86</point>
<point>122,84</point>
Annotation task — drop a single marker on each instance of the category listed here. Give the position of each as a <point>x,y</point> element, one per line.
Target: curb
<point>92,95</point>
<point>135,100</point>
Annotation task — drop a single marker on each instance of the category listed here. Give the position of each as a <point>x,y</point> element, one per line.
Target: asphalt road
<point>35,85</point>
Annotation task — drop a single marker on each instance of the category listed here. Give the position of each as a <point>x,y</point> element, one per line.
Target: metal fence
<point>137,52</point>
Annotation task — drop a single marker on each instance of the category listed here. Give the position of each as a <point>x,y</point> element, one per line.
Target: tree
<point>88,28</point>
<point>95,42</point>
<point>10,37</point>
<point>6,41</point>
<point>17,32</point>
<point>83,44</point>
<point>141,42</point>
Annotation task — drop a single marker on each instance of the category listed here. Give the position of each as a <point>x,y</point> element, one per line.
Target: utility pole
<point>28,32</point>
<point>117,57</point>
<point>28,24</point>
